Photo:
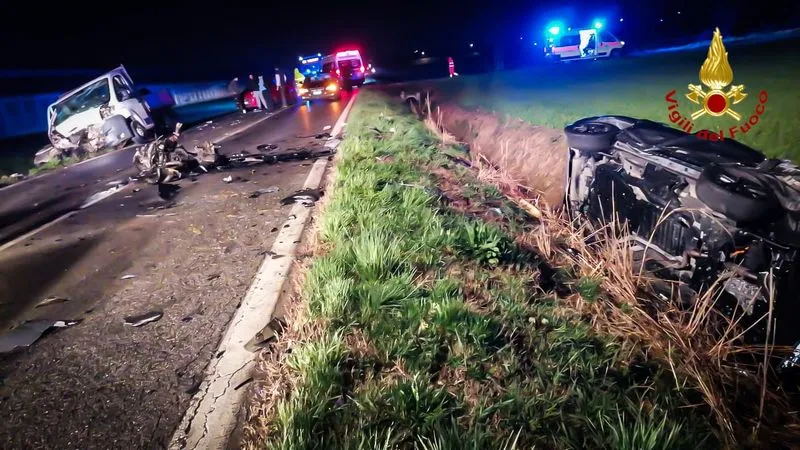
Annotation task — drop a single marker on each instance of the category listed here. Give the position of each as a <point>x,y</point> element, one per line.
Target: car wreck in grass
<point>699,212</point>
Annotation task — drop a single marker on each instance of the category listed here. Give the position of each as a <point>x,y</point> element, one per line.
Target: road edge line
<point>211,417</point>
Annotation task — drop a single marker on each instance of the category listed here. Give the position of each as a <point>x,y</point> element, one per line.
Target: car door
<point>128,100</point>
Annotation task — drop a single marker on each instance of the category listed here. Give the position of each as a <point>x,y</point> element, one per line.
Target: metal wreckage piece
<point>164,159</point>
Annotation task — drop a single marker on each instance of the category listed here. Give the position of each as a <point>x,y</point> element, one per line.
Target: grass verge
<point>558,94</point>
<point>437,315</point>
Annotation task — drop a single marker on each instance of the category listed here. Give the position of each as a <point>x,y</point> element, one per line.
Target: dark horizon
<point>185,42</point>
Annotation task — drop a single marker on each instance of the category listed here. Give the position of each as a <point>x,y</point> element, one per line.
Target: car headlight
<point>303,91</point>
<point>106,111</point>
<point>331,88</point>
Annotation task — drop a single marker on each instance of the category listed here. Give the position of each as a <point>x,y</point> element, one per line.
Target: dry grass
<point>699,345</point>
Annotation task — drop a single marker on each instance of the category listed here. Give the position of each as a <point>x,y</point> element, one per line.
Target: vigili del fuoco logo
<point>716,75</point>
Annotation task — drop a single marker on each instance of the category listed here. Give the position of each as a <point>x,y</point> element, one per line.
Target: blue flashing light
<point>554,29</point>
<point>319,54</point>
<point>598,24</point>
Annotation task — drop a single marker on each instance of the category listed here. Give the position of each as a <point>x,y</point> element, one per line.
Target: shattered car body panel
<point>697,211</point>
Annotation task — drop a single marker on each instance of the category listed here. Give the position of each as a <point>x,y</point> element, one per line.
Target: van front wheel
<point>140,133</point>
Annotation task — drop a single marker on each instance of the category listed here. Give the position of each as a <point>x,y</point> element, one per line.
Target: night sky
<point>185,41</point>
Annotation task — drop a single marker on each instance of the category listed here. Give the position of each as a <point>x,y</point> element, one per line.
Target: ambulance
<point>347,66</point>
<point>581,44</point>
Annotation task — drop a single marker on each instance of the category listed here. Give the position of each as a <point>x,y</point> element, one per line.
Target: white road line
<point>211,417</point>
<point>13,242</point>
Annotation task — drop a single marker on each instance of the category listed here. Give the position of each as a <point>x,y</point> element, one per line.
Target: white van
<point>108,103</point>
<point>589,43</point>
<point>346,66</point>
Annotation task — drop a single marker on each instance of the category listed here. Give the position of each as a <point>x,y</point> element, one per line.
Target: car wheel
<point>736,193</point>
<point>590,136</point>
<point>140,133</point>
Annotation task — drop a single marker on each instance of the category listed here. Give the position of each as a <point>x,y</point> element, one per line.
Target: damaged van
<point>105,112</point>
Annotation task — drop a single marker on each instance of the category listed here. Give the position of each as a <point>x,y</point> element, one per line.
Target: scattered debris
<point>260,192</point>
<point>326,128</point>
<point>240,385</point>
<point>127,277</point>
<point>274,328</point>
<point>51,301</point>
<point>191,384</point>
<point>142,319</point>
<point>273,230</point>
<point>266,147</point>
<point>307,197</point>
<point>147,215</point>
<point>228,179</point>
<point>187,319</point>
<point>29,332</point>
<point>213,277</point>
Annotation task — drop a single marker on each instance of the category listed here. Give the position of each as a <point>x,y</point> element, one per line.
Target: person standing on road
<point>252,87</point>
<point>451,66</point>
<point>279,79</point>
<point>260,93</point>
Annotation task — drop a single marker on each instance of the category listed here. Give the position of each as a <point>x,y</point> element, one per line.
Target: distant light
<point>569,28</point>
<point>622,42</point>
<point>471,45</point>
<point>621,19</point>
<point>598,24</point>
<point>679,12</point>
<point>660,20</point>
<point>422,53</point>
<point>319,54</point>
<point>520,38</point>
<point>299,58</point>
<point>535,43</point>
<point>554,30</point>
<point>416,51</point>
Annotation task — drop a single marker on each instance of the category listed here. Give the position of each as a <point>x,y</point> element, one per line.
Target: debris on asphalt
<point>187,319</point>
<point>212,277</point>
<point>266,147</point>
<point>228,179</point>
<point>273,230</point>
<point>326,128</point>
<point>260,192</point>
<point>127,277</point>
<point>29,332</point>
<point>143,319</point>
<point>51,301</point>
<point>307,197</point>
<point>147,215</point>
<point>191,384</point>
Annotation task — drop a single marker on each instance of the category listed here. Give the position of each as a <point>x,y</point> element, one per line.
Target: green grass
<point>556,95</point>
<point>462,350</point>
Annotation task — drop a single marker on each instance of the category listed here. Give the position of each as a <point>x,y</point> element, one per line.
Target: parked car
<point>696,209</point>
<point>109,107</point>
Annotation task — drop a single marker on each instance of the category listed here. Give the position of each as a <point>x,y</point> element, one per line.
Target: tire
<point>736,193</point>
<point>590,136</point>
<point>140,134</point>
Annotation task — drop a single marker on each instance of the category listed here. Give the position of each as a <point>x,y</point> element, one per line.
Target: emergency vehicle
<point>581,44</point>
<point>310,65</point>
<point>346,65</point>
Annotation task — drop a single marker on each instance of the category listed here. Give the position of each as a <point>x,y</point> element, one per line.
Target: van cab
<point>109,103</point>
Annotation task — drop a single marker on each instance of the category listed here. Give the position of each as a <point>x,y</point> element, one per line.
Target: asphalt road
<point>192,251</point>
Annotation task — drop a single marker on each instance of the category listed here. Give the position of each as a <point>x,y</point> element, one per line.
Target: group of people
<point>257,86</point>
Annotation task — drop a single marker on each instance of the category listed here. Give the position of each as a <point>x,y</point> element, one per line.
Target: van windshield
<point>92,96</point>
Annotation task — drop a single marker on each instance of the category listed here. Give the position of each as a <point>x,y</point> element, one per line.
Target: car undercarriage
<point>698,213</point>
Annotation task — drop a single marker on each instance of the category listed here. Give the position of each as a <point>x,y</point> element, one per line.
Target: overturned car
<point>698,211</point>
